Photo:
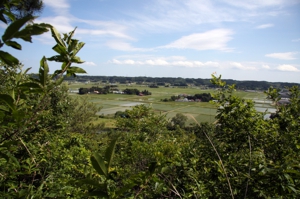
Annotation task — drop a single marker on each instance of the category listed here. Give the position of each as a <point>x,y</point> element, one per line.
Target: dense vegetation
<point>134,91</point>
<point>50,147</point>
<point>202,97</point>
<point>98,90</point>
<point>110,89</point>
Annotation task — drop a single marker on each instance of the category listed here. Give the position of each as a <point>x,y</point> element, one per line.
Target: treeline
<point>110,89</point>
<point>180,82</point>
<point>203,97</point>
<point>134,91</point>
<point>98,90</point>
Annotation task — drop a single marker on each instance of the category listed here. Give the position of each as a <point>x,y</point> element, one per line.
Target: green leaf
<point>57,58</point>
<point>77,60</point>
<point>59,81</point>
<point>8,58</point>
<point>4,108</point>
<point>99,165</point>
<point>70,36</point>
<point>72,45</point>
<point>30,30</point>
<point>3,155</point>
<point>293,189</point>
<point>29,86</point>
<point>75,69</point>
<point>14,44</point>
<point>43,72</point>
<point>8,100</point>
<point>63,66</point>
<point>14,27</point>
<point>10,15</point>
<point>293,172</point>
<point>9,144</point>
<point>109,153</point>
<point>57,37</point>
<point>57,72</point>
<point>77,48</point>
<point>101,194</point>
<point>27,70</point>
<point>60,49</point>
<point>37,29</point>
<point>89,182</point>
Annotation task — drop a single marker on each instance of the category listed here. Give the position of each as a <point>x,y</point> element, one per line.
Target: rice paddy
<point>201,111</point>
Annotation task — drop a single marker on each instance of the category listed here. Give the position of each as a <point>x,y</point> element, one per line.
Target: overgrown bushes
<point>49,147</point>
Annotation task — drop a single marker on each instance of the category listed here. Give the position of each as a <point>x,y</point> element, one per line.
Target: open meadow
<point>201,111</point>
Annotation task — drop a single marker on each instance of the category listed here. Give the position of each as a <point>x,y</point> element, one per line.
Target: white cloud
<point>241,66</point>
<point>256,4</point>
<point>61,23</point>
<point>103,32</point>
<point>124,46</point>
<point>170,15</point>
<point>296,40</point>
<point>130,62</point>
<point>284,56</point>
<point>211,40</point>
<point>64,21</point>
<point>59,6</point>
<point>265,66</point>
<point>167,61</point>
<point>289,68</point>
<point>263,26</point>
<point>104,27</point>
<point>157,62</point>
<point>89,63</point>
<point>64,25</point>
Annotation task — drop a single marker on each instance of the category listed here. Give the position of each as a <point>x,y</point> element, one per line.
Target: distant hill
<point>181,82</point>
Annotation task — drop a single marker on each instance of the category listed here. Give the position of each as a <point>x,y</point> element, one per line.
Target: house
<point>284,101</point>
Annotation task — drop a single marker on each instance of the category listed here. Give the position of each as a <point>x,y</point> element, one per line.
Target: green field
<point>201,111</point>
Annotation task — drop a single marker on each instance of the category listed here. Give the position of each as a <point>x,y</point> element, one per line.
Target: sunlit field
<point>201,111</point>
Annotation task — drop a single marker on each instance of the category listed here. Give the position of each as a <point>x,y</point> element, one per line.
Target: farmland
<point>201,111</point>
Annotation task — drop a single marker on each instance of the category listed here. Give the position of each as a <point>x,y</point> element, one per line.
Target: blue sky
<point>243,40</point>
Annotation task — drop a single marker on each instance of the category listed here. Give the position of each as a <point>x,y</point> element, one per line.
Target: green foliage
<point>256,151</point>
<point>67,48</point>
<point>178,120</point>
<point>50,147</point>
<point>36,158</point>
<point>17,9</point>
<point>141,119</point>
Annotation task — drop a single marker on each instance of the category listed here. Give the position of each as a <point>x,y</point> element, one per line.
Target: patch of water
<point>132,104</point>
<point>269,110</point>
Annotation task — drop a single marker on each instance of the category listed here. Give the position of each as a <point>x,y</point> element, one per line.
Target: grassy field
<point>201,111</point>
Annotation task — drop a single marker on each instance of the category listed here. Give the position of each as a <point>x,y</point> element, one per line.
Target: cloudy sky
<point>243,40</point>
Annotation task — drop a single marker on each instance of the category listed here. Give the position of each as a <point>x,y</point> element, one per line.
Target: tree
<point>20,8</point>
<point>179,120</point>
<point>34,114</point>
<point>141,119</point>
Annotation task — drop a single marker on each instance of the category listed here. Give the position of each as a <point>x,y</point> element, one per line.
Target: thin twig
<point>223,167</point>
<point>176,191</point>
<point>28,151</point>
<point>249,171</point>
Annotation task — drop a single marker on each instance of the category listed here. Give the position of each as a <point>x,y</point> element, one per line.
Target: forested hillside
<point>51,148</point>
<point>182,82</point>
